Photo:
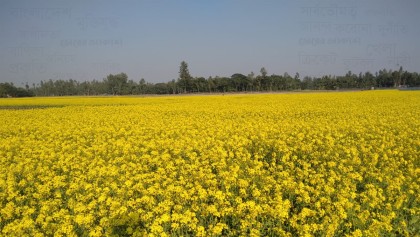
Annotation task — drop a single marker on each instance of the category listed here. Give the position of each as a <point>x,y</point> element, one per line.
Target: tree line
<point>120,84</point>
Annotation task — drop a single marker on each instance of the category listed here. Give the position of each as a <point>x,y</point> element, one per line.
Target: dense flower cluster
<point>308,164</point>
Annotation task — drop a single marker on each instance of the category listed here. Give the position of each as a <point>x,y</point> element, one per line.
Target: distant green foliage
<point>120,84</point>
<point>9,90</point>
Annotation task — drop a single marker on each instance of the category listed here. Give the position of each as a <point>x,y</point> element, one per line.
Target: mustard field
<point>298,164</point>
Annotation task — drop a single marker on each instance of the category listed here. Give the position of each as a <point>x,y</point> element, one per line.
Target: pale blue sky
<point>86,40</point>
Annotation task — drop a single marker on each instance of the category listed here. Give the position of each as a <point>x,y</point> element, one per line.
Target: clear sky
<point>86,40</point>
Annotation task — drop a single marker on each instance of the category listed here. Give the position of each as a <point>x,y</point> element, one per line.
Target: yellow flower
<point>262,165</point>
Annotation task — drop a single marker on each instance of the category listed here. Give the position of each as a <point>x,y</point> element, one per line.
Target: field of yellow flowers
<point>302,164</point>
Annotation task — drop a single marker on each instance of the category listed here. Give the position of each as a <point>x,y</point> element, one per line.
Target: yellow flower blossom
<point>306,164</point>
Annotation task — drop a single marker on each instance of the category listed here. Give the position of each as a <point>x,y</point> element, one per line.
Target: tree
<point>297,76</point>
<point>130,88</point>
<point>184,79</point>
<point>263,72</point>
<point>172,86</point>
<point>398,83</point>
<point>211,84</point>
<point>117,83</point>
<point>120,85</point>
<point>9,90</point>
<point>251,81</point>
<point>200,84</point>
<point>239,81</point>
<point>264,82</point>
<point>384,79</point>
<point>142,86</point>
<point>368,80</point>
<point>307,83</point>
